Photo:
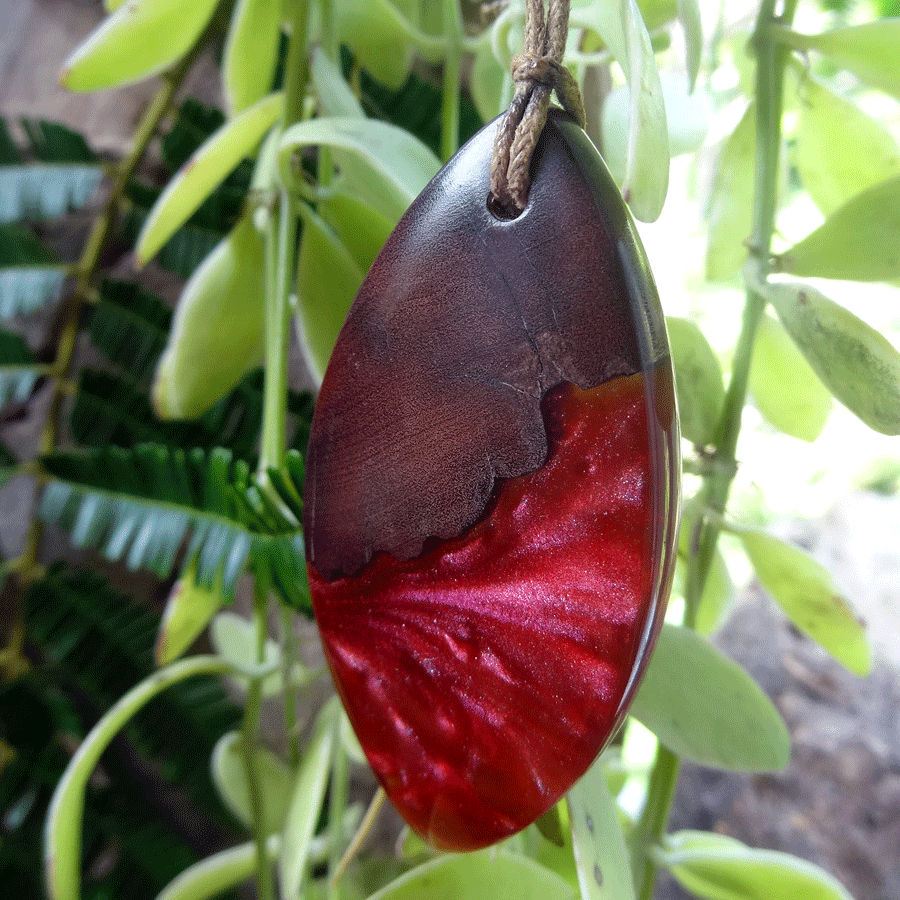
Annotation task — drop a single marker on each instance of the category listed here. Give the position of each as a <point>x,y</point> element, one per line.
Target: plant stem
<point>249,729</point>
<point>278,299</point>
<point>717,481</point>
<point>337,805</point>
<point>289,657</point>
<point>453,29</point>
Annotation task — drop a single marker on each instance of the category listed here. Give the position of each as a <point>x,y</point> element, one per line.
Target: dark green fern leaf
<point>29,276</point>
<point>18,370</point>
<point>52,142</point>
<point>140,505</point>
<point>7,468</point>
<point>130,326</point>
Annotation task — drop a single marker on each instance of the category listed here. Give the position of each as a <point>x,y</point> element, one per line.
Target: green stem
<point>289,657</point>
<point>278,299</point>
<point>337,805</point>
<point>453,29</point>
<point>249,729</point>
<point>717,482</point>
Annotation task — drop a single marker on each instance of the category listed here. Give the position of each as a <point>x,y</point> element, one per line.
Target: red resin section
<point>483,677</point>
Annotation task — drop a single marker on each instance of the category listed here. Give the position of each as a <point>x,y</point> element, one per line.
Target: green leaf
<point>334,93</point>
<point>717,597</point>
<point>234,639</point>
<point>140,39</point>
<point>497,874</point>
<point>869,50</point>
<point>691,23</point>
<point>808,596</point>
<point>217,333</point>
<point>857,242</point>
<point>274,778</point>
<point>601,858</point>
<point>723,719</point>
<point>787,391</point>
<point>35,191</point>
<point>389,167</point>
<point>18,370</point>
<point>645,178</point>
<point>698,381</point>
<point>731,202</point>
<point>379,36</point>
<point>53,142</point>
<point>488,78</point>
<point>206,169</point>
<point>840,151</point>
<point>716,867</point>
<point>251,53</point>
<point>306,802</point>
<point>29,277</point>
<point>7,469</point>
<point>361,229</point>
<point>219,872</point>
<point>188,611</point>
<point>64,815</point>
<point>855,362</point>
<point>328,278</point>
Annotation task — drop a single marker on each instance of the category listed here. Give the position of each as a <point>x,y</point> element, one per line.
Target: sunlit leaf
<point>139,39</point>
<point>840,150</point>
<point>723,720</point>
<point>217,333</point>
<point>274,782</point>
<point>698,380</point>
<point>487,82</point>
<point>808,596</point>
<point>334,93</point>
<point>716,867</point>
<point>718,593</point>
<point>869,50</point>
<point>206,169</point>
<point>857,242</point>
<point>188,611</point>
<point>38,191</point>
<point>854,361</point>
<point>497,874</point>
<point>251,53</point>
<point>689,16</point>
<point>787,391</point>
<point>731,202</point>
<point>645,178</point>
<point>235,639</point>
<point>392,165</point>
<point>601,859</point>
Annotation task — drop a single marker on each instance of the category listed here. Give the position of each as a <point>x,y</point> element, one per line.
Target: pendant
<point>492,489</point>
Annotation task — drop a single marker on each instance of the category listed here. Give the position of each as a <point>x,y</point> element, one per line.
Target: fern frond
<point>53,142</point>
<point>141,505</point>
<point>129,326</point>
<point>18,370</point>
<point>29,276</point>
<point>45,191</point>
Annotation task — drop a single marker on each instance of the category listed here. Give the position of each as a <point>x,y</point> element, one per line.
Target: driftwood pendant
<point>492,487</point>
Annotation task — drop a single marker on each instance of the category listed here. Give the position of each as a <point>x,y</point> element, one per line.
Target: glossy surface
<point>491,496</point>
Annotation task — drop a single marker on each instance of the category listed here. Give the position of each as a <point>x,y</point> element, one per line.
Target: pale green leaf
<point>692,25</point>
<point>787,391</point>
<point>809,598</point>
<point>188,611</point>
<point>698,380</point>
<point>334,93</point>
<point>203,172</point>
<point>234,639</point>
<point>601,858</point>
<point>488,79</point>
<point>379,36</point>
<point>854,361</point>
<point>229,775</point>
<point>219,872</point>
<point>857,242</point>
<point>840,150</point>
<point>731,203</point>
<point>718,717</point>
<point>869,51</point>
<point>306,803</point>
<point>141,38</point>
<point>645,178</point>
<point>361,229</point>
<point>715,867</point>
<point>62,850</point>
<point>392,165</point>
<point>327,281</point>
<point>251,53</point>
<point>494,874</point>
<point>217,332</point>
<point>718,594</point>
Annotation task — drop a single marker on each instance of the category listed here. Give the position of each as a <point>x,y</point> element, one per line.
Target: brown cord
<point>537,73</point>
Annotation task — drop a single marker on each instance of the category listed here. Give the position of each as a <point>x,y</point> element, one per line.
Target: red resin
<point>483,677</point>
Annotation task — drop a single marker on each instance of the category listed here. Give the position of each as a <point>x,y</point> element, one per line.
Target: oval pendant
<point>492,487</point>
